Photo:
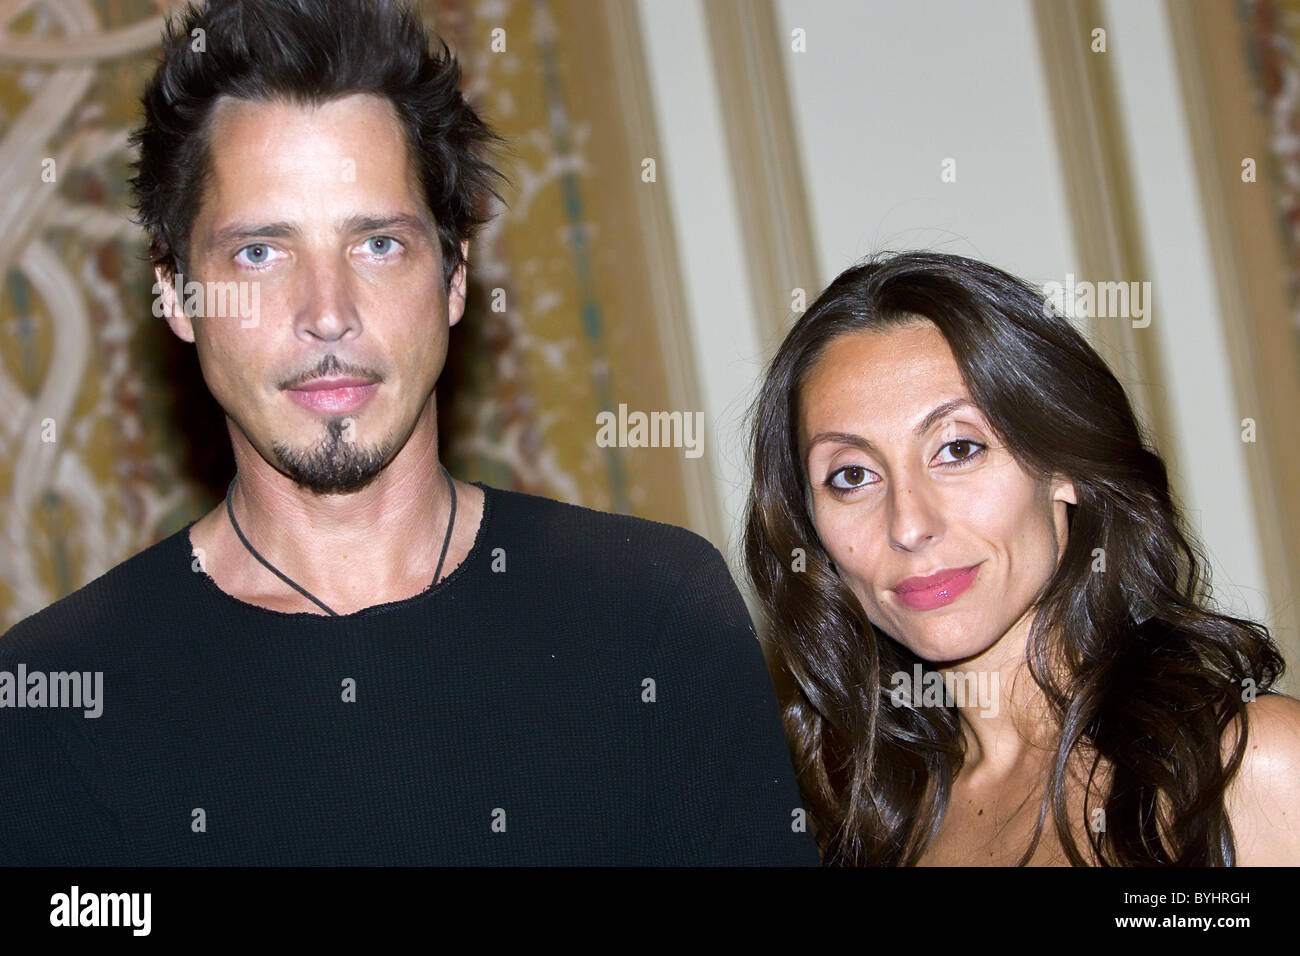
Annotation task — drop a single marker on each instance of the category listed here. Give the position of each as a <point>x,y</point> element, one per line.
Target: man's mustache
<point>330,365</point>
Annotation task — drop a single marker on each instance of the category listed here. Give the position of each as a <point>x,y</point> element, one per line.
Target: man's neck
<point>372,546</point>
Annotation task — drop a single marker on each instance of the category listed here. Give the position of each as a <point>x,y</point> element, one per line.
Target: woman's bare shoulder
<point>1263,800</point>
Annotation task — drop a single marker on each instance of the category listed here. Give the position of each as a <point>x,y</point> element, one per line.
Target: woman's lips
<point>943,589</point>
<point>325,396</point>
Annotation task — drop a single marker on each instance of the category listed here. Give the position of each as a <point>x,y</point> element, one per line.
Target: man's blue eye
<point>380,245</point>
<point>256,253</point>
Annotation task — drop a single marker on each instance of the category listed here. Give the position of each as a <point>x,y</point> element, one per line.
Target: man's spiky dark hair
<point>306,52</point>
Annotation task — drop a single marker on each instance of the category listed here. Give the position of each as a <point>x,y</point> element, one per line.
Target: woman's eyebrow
<point>938,412</point>
<point>845,438</point>
<point>926,423</point>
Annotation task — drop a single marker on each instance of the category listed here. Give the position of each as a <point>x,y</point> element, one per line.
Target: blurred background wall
<point>686,173</point>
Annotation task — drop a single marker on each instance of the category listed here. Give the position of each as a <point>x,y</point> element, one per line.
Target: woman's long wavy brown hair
<point>1138,670</point>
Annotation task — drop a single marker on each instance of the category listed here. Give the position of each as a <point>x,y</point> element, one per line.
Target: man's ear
<point>171,306</point>
<point>456,291</point>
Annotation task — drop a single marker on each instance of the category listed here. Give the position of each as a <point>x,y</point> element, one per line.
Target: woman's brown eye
<point>849,478</point>
<point>959,451</point>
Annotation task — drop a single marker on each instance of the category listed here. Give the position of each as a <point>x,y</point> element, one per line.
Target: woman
<point>998,632</point>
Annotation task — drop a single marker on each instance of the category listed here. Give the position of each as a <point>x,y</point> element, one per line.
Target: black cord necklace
<point>446,542</point>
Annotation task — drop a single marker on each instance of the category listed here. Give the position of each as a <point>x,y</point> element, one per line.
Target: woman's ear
<point>1062,494</point>
<point>1063,490</point>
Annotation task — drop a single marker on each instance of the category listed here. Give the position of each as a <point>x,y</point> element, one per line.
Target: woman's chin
<point>946,651</point>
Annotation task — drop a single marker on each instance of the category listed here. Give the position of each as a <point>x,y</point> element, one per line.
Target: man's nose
<point>327,309</point>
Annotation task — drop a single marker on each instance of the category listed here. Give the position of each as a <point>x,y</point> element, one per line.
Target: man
<point>356,659</point>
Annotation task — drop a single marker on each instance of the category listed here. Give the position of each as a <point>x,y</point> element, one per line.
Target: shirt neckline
<point>209,585</point>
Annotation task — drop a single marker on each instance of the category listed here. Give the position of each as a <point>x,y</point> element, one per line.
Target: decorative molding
<point>767,174</point>
<point>1102,203</point>
<point>1251,275</point>
<point>632,82</point>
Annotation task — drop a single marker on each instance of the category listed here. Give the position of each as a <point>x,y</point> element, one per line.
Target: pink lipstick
<point>935,590</point>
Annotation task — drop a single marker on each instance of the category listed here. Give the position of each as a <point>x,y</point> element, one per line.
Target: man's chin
<point>337,470</point>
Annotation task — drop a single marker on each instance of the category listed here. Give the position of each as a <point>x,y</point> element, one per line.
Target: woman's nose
<point>914,517</point>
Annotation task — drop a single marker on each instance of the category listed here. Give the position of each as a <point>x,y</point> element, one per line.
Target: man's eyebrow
<point>926,423</point>
<point>247,230</point>
<point>241,231</point>
<point>374,223</point>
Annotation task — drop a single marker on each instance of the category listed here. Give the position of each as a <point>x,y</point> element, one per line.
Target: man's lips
<point>935,590</point>
<point>343,394</point>
<point>319,384</point>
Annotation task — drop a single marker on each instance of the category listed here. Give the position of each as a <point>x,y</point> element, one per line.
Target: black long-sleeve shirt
<point>583,688</point>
